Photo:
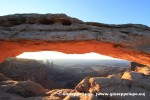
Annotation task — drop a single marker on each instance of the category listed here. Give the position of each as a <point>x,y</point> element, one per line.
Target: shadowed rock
<point>27,69</point>
<point>134,65</point>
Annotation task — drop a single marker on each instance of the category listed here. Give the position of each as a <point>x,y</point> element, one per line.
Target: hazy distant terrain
<point>69,73</point>
<point>64,72</point>
<point>88,62</point>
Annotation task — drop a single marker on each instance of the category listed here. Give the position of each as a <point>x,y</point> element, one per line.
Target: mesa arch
<point>58,32</point>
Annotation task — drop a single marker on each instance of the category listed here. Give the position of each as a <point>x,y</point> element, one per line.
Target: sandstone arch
<point>58,32</point>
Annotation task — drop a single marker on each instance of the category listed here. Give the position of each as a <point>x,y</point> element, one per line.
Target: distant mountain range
<point>88,62</point>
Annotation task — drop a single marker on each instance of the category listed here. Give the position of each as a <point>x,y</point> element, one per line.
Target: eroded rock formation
<point>36,32</point>
<point>27,69</point>
<point>19,88</point>
<point>28,90</point>
<point>130,82</point>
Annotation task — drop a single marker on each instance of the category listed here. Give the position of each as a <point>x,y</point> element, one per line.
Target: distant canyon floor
<point>27,79</point>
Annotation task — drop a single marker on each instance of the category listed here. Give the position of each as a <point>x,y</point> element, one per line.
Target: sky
<point>102,11</point>
<point>60,55</point>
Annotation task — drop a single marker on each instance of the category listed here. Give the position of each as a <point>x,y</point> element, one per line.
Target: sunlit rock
<point>131,82</point>
<point>132,75</point>
<point>144,70</point>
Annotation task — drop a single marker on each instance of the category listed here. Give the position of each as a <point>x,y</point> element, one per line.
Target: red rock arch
<point>25,33</point>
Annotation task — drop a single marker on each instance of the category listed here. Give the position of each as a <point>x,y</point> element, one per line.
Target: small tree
<point>52,64</point>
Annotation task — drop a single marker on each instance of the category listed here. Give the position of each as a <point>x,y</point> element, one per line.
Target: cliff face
<point>36,32</point>
<point>27,69</point>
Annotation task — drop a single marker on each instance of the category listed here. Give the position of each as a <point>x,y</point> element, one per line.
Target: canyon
<point>27,79</point>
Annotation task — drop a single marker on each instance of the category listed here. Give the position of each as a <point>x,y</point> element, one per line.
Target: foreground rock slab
<point>116,88</point>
